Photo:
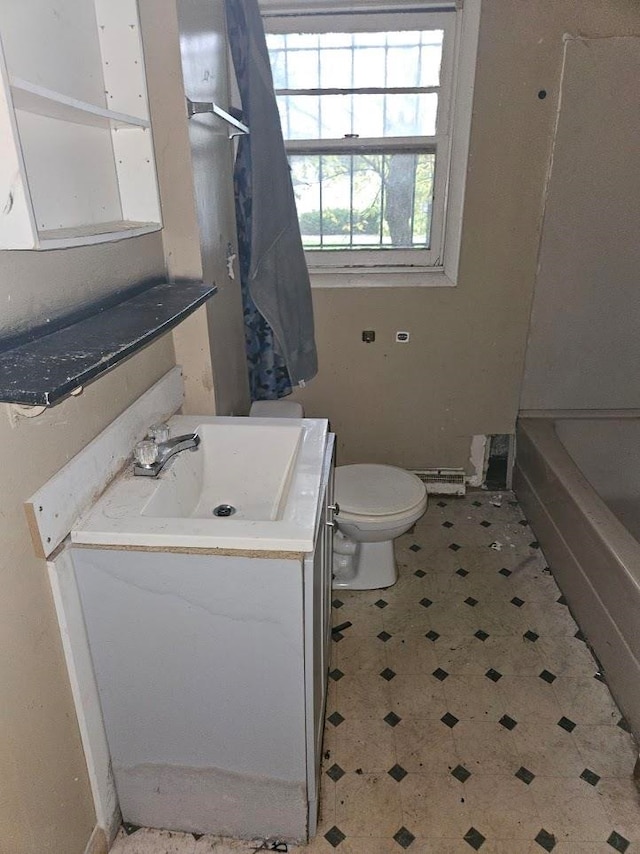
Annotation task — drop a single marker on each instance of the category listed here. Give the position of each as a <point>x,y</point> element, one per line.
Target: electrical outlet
<point>402,337</point>
<point>368,336</point>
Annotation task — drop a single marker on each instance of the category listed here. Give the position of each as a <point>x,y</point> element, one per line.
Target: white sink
<point>267,469</point>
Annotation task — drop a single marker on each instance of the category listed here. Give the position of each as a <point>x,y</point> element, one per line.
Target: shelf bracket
<point>196,107</point>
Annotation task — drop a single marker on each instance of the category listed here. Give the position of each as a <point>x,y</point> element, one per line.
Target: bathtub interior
<point>607,451</point>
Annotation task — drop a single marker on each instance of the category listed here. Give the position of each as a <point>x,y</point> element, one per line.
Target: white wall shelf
<point>88,234</point>
<point>76,152</point>
<point>45,102</point>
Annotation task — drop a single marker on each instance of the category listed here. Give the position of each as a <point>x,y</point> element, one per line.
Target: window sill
<point>378,277</point>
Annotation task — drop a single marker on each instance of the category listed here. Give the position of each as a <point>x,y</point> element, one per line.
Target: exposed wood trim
<point>32,522</point>
<point>98,843</point>
<point>85,696</point>
<point>69,492</point>
<point>183,550</point>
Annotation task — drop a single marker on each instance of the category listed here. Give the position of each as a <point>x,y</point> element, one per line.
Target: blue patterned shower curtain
<point>276,292</point>
<point>268,375</point>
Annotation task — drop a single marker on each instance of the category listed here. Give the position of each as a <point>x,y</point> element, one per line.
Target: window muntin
<point>365,112</point>
<point>358,115</point>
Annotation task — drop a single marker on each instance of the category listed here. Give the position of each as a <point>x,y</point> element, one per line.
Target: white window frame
<point>410,267</point>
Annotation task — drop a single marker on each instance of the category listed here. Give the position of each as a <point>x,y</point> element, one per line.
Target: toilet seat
<point>391,520</point>
<point>370,491</point>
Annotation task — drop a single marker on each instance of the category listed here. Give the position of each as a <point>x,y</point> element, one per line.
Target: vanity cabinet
<point>211,667</point>
<point>76,153</point>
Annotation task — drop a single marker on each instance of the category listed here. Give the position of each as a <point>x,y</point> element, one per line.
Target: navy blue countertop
<point>44,368</point>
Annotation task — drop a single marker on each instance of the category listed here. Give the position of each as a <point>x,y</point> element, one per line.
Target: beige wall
<point>53,286</point>
<point>584,347</point>
<point>46,805</point>
<point>418,404</point>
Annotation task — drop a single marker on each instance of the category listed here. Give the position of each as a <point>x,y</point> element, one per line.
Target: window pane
<point>300,116</point>
<point>369,68</point>
<point>352,60</point>
<point>335,116</point>
<point>364,201</point>
<point>335,68</point>
<point>279,68</point>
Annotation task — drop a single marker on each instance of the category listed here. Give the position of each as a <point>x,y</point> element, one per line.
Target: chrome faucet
<point>151,457</point>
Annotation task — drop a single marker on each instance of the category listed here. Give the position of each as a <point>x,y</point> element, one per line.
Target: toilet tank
<point>276,409</point>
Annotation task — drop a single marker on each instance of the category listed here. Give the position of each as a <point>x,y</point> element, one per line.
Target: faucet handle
<point>146,453</point>
<point>159,432</point>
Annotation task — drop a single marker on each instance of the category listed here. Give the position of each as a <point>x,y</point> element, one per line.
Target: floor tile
<point>512,656</point>
<point>570,809</point>
<point>327,809</point>
<point>461,655</point>
<point>362,696</point>
<point>586,700</point>
<point>433,806</point>
<point>578,847</point>
<point>218,845</point>
<point>608,750</point>
<point>486,747</point>
<point>502,807</point>
<point>530,698</point>
<point>409,654</point>
<point>145,841</point>
<point>546,749</point>
<point>356,654</point>
<point>475,698</point>
<point>418,695</point>
<point>411,618</point>
<point>621,802</point>
<point>353,845</point>
<point>566,656</point>
<point>368,805</point>
<point>549,619</point>
<point>364,616</point>
<point>367,744</point>
<point>425,746</point>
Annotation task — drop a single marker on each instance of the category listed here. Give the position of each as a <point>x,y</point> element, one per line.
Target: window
<point>365,106</point>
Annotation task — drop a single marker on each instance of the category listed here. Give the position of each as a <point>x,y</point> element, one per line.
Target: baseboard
<point>97,843</point>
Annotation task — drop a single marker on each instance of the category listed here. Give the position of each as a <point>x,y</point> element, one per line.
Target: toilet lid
<point>375,490</point>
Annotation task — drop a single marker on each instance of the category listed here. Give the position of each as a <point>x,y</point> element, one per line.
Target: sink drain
<point>224,510</point>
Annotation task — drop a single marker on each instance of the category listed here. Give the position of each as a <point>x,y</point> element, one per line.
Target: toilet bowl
<point>377,503</point>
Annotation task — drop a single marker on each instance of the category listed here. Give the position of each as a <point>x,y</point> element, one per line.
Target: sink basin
<point>266,470</point>
<point>240,466</point>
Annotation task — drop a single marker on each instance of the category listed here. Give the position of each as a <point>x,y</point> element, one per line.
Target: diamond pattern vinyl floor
<point>465,711</point>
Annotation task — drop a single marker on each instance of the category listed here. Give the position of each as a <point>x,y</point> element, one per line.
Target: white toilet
<point>376,504</point>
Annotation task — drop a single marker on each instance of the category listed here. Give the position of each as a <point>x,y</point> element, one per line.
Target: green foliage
<point>337,221</point>
<point>391,195</point>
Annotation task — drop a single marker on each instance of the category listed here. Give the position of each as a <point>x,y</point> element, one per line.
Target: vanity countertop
<point>269,470</point>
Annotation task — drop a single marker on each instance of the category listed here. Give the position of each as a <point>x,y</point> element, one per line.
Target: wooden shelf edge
<point>44,370</point>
